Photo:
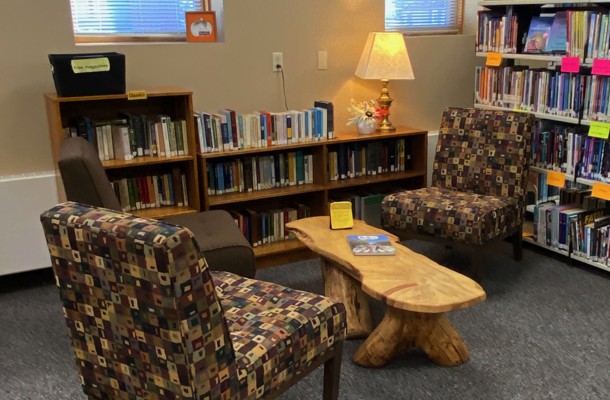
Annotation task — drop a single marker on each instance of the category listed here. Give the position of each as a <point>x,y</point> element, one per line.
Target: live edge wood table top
<point>416,290</point>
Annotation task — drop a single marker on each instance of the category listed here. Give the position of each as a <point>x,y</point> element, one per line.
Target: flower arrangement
<point>362,111</point>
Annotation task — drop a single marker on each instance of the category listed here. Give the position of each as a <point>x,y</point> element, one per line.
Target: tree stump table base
<point>397,331</point>
<point>400,330</point>
<point>416,290</point>
<point>340,286</point>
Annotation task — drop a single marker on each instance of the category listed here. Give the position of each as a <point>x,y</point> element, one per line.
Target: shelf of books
<point>573,29</point>
<point>269,168</point>
<point>572,231</point>
<point>567,215</point>
<point>560,47</point>
<point>146,146</point>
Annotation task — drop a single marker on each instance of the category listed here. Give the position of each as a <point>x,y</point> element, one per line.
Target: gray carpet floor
<point>542,333</point>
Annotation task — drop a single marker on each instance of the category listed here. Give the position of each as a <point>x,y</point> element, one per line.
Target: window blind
<point>424,16</point>
<point>130,18</point>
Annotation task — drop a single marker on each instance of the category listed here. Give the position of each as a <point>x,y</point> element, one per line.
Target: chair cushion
<point>224,246</point>
<point>276,331</point>
<point>466,217</point>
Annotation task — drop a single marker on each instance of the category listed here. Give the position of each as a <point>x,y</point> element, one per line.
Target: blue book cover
<point>317,123</point>
<point>538,34</point>
<point>558,35</point>
<point>226,113</point>
<point>371,245</point>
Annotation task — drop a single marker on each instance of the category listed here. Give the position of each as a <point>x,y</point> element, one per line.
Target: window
<point>103,21</point>
<point>423,16</point>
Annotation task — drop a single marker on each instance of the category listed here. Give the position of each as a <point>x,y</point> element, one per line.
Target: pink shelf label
<point>570,64</point>
<point>601,67</point>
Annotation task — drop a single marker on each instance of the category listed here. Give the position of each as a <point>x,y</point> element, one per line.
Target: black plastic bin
<point>88,74</point>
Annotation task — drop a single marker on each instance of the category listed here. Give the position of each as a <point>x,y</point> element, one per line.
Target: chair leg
<point>332,374</point>
<point>518,244</point>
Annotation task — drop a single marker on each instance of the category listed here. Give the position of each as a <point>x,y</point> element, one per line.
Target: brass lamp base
<point>385,126</point>
<point>385,101</point>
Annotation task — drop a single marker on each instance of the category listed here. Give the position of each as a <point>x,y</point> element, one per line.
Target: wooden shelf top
<point>229,198</point>
<point>354,136</point>
<point>150,92</point>
<point>340,138</point>
<point>141,161</point>
<point>255,150</point>
<point>163,212</point>
<point>369,179</point>
<point>269,249</point>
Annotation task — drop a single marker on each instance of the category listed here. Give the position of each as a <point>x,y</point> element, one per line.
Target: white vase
<point>367,126</point>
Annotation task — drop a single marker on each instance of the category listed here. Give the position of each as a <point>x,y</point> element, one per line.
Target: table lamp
<point>385,57</point>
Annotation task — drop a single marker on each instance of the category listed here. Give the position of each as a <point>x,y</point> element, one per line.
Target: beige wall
<point>235,73</point>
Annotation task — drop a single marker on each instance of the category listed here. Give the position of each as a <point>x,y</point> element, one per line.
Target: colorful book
<point>371,245</point>
<point>558,35</point>
<point>538,34</point>
<point>330,120</point>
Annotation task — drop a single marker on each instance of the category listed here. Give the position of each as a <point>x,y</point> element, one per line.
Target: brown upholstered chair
<point>85,181</point>
<point>147,319</point>
<point>478,183</point>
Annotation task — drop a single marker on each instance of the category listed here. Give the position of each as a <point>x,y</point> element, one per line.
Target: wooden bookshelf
<point>177,104</point>
<point>173,102</point>
<point>315,195</point>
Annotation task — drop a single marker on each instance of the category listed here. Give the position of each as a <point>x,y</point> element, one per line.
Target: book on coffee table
<point>371,245</point>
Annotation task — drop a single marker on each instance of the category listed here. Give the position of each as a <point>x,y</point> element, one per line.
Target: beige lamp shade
<point>385,57</point>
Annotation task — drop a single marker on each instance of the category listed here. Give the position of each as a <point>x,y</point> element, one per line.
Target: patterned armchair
<point>478,182</point>
<point>148,320</point>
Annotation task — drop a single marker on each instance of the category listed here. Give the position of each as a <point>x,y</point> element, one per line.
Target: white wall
<point>22,199</point>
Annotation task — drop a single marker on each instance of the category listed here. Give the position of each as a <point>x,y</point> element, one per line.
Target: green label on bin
<point>85,65</point>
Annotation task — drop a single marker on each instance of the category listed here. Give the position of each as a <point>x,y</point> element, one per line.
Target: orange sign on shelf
<point>493,59</point>
<point>601,191</point>
<point>557,179</point>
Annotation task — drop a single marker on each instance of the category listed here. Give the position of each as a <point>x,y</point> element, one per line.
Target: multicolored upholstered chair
<point>478,183</point>
<point>148,320</point>
<point>85,181</point>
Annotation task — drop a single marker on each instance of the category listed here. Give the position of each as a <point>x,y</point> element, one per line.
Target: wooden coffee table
<point>416,290</point>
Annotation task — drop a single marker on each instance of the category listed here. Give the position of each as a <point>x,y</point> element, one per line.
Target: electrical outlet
<point>278,59</point>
